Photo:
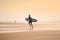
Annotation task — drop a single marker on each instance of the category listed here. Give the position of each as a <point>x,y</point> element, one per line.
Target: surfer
<point>30,21</point>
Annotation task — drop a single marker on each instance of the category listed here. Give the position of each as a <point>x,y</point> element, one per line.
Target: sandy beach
<point>22,32</point>
<point>31,35</point>
<point>29,19</point>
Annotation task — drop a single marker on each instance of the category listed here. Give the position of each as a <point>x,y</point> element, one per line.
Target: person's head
<point>29,14</point>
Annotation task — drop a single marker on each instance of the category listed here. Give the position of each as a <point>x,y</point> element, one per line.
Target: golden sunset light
<point>29,19</point>
<point>43,10</point>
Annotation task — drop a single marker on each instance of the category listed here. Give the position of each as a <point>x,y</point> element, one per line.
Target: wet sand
<point>22,32</point>
<point>31,35</point>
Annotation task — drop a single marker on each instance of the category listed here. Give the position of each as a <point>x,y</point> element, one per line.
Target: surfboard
<point>33,20</point>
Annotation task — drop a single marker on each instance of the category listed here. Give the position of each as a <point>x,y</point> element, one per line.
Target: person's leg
<point>31,25</point>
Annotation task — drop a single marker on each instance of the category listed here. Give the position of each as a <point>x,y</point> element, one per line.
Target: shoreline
<point>29,31</point>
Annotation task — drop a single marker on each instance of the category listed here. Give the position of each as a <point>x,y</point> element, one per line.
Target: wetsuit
<point>30,20</point>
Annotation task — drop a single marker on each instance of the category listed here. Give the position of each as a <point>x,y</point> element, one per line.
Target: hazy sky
<point>43,10</point>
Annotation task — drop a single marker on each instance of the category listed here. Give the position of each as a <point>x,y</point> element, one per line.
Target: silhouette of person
<point>30,21</point>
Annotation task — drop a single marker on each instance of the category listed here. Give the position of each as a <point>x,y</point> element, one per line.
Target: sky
<point>42,10</point>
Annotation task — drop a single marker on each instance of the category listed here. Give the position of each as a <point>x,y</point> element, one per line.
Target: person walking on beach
<point>30,21</point>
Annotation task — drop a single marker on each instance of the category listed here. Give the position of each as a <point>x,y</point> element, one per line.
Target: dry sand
<point>31,35</point>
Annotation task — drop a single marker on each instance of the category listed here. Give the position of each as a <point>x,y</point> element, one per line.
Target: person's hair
<point>29,14</point>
